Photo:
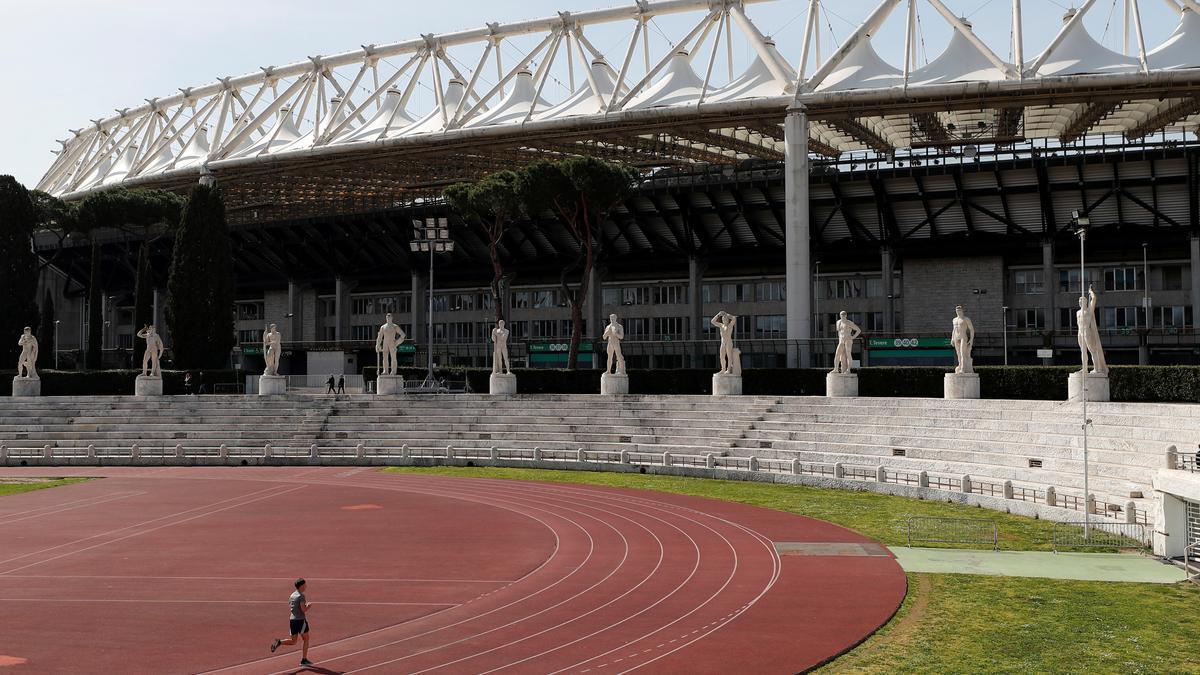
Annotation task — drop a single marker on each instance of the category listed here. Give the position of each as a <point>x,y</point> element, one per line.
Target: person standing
<point>341,384</point>
<point>297,623</point>
<point>330,382</point>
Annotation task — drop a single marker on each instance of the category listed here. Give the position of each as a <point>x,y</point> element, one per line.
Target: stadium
<point>779,180</point>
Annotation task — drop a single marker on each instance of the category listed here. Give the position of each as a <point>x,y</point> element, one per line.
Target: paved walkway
<point>1082,566</point>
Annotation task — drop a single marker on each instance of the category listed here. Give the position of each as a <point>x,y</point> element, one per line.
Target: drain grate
<point>830,549</point>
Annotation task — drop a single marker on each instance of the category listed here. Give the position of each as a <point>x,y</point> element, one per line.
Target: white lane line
<point>226,602</point>
<point>91,501</point>
<point>191,578</point>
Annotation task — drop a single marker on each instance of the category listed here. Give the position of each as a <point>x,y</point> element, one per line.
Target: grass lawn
<point>20,486</point>
<point>960,623</point>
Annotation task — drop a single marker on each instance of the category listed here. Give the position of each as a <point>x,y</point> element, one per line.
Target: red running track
<point>188,570</point>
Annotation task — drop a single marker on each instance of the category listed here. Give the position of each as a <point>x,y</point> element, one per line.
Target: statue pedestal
<point>841,385</point>
<point>1097,386</point>
<point>726,384</point>
<point>272,385</point>
<point>148,385</point>
<point>26,387</point>
<point>502,384</point>
<point>961,385</point>
<point>387,385</point>
<point>614,384</point>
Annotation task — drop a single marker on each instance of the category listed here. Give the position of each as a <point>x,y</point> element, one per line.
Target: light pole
<point>1146,285</point>
<point>819,328</point>
<point>1004,321</point>
<point>56,344</point>
<point>433,237</point>
<point>1082,222</point>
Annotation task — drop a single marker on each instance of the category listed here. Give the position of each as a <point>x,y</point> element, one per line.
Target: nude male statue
<point>390,337</point>
<point>27,362</point>
<point>726,323</point>
<point>1089,334</point>
<point>962,339</point>
<point>500,364</point>
<point>154,351</point>
<point>272,346</point>
<point>847,330</point>
<point>614,332</point>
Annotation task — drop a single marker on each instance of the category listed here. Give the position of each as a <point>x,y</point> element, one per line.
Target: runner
<point>297,624</point>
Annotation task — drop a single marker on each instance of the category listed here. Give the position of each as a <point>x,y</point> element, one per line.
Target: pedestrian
<point>297,623</point>
<point>330,383</point>
<point>341,384</point>
<point>201,389</point>
<point>187,382</point>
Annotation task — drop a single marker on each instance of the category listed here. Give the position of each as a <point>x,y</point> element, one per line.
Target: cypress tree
<point>18,266</point>
<point>200,287</point>
<point>143,290</point>
<point>45,334</point>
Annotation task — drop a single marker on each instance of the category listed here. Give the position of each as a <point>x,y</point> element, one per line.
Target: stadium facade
<point>782,194</point>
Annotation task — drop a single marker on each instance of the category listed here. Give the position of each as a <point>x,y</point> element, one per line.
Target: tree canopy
<point>200,290</point>
<point>492,202</point>
<point>18,265</point>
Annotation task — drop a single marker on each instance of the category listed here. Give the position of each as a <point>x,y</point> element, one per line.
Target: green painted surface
<point>1079,566</point>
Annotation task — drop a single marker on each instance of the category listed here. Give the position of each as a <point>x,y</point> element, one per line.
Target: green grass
<point>959,623</point>
<point>17,488</point>
<point>879,516</point>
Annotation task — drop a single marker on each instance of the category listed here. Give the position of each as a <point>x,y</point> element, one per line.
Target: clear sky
<point>69,61</point>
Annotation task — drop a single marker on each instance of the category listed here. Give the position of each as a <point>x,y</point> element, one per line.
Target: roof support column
<point>797,251</point>
<point>419,307</point>
<point>1049,284</point>
<point>595,318</point>
<point>1195,280</point>
<point>695,299</point>
<point>886,263</point>
<point>341,309</point>
<point>295,320</point>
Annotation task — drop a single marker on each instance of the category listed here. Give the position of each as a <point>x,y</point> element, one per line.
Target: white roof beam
<point>683,44</point>
<point>758,42</point>
<point>254,125</point>
<point>1132,6</point>
<point>971,37</point>
<point>812,25</point>
<point>524,62</point>
<point>864,32</point>
<point>1062,33</point>
<point>377,93</point>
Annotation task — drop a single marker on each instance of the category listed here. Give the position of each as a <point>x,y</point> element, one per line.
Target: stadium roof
<point>341,130</point>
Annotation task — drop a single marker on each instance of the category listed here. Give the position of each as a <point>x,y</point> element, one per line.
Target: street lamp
<point>432,236</point>
<point>1004,321</point>
<point>1082,222</point>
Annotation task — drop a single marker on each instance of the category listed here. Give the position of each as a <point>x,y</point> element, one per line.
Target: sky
<point>71,61</point>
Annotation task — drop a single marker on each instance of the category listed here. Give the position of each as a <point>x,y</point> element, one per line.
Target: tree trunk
<point>497,268</point>
<point>143,295</point>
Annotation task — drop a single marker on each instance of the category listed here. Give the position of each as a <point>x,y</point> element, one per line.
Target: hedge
<point>1128,383</point>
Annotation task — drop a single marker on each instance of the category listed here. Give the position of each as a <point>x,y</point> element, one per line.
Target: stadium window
<point>520,300</point>
<point>672,294</point>
<point>1028,282</point>
<point>461,332</point>
<point>612,297</point>
<point>250,336</point>
<point>1068,280</point>
<point>404,303</point>
<point>544,328</point>
<point>1172,278</point>
<point>439,332</point>
<point>769,326</point>
<point>518,329</point>
<point>637,328</point>
<point>328,334</point>
<point>328,307</point>
<point>709,293</point>
<point>874,322</point>
<point>250,311</point>
<point>843,288</point>
<point>1120,317</point>
<point>564,327</point>
<point>875,288</point>
<point>1028,319</point>
<point>1067,318</point>
<point>484,301</point>
<point>635,295</point>
<point>362,332</point>
<point>363,306</point>
<point>544,299</point>
<point>1123,279</point>
<point>770,291</point>
<point>1173,317</point>
<point>462,301</point>
<point>670,328</point>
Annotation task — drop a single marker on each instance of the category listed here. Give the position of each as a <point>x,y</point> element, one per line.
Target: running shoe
<point>275,644</point>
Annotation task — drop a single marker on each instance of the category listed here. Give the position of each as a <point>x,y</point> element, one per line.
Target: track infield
<point>188,570</point>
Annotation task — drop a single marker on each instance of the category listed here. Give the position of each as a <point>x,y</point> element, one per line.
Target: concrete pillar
<point>156,313</point>
<point>420,308</point>
<point>889,305</point>
<point>696,309</point>
<point>797,251</point>
<point>295,325</point>
<point>593,308</point>
<point>341,308</point>
<point>1049,284</point>
<point>1195,281</point>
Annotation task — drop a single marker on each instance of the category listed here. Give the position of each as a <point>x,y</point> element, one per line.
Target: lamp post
<point>1082,222</point>
<point>1004,321</point>
<point>432,237</point>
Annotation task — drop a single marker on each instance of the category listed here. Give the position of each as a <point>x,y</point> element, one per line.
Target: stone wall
<point>932,287</point>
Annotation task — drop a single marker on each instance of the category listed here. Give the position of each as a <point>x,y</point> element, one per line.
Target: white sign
<point>1045,353</point>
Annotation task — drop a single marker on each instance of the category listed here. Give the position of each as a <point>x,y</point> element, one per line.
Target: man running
<point>297,624</point>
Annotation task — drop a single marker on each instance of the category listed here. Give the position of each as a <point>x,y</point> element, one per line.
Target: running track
<point>188,570</point>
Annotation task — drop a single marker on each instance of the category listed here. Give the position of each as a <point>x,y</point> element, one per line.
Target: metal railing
<point>1191,556</point>
<point>936,530</point>
<point>1188,463</point>
<point>1099,534</point>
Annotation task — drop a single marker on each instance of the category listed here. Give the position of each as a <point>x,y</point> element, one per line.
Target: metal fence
<point>1099,534</point>
<point>934,530</point>
<point>1191,562</point>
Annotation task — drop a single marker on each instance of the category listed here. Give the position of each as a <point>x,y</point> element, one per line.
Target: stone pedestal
<point>27,387</point>
<point>961,385</point>
<point>389,384</point>
<point>614,384</point>
<point>272,385</point>
<point>840,385</point>
<point>148,385</point>
<point>1097,386</point>
<point>726,384</point>
<point>502,384</point>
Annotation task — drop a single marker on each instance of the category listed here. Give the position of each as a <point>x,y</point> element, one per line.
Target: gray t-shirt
<point>296,603</point>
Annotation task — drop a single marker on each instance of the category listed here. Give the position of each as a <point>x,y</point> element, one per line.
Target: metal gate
<point>1193,523</point>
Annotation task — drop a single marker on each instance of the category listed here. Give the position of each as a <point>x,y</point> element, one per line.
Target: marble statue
<point>726,323</point>
<point>500,364</point>
<point>962,338</point>
<point>1089,334</point>
<point>27,363</point>
<point>614,332</point>
<point>154,351</point>
<point>272,346</point>
<point>389,338</point>
<point>847,331</point>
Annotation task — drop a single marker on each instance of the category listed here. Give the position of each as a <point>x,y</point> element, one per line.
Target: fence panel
<point>1102,534</point>
<point>934,530</point>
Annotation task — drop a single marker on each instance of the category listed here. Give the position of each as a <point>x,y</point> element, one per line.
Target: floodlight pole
<point>1004,322</point>
<point>429,371</point>
<point>1083,377</point>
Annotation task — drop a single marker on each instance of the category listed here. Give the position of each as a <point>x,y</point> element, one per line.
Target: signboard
<point>406,348</point>
<point>556,347</point>
<point>252,351</point>
<point>1045,353</point>
<point>908,343</point>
